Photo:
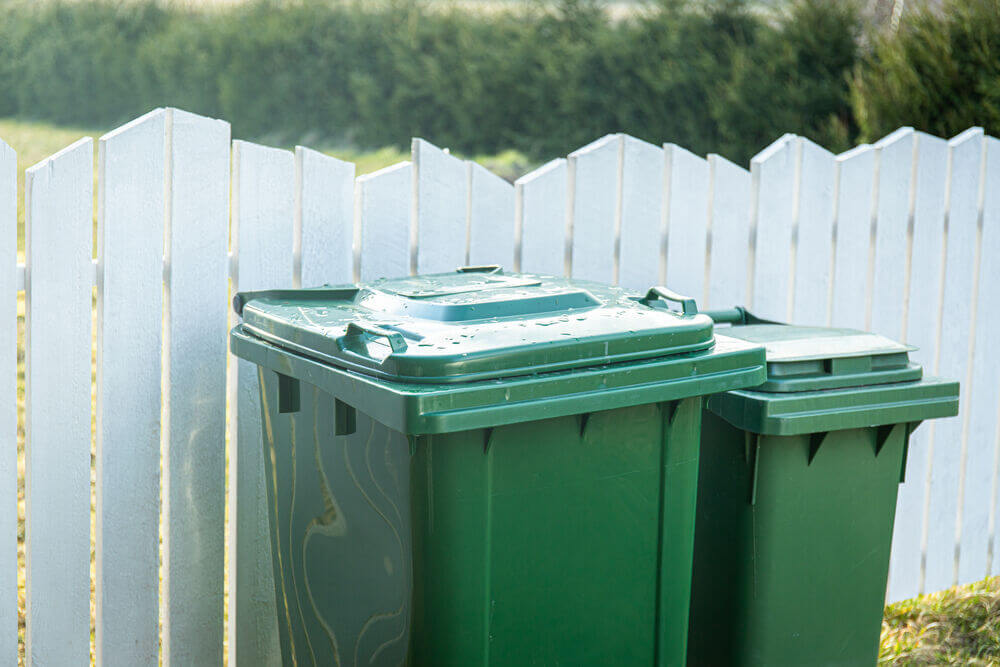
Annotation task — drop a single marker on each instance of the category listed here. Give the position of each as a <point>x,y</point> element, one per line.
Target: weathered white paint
<point>58,291</point>
<point>262,223</point>
<point>491,218</point>
<point>540,206</point>
<point>729,233</point>
<point>894,164</point>
<point>324,219</point>
<point>130,225</point>
<point>983,384</point>
<point>594,171</point>
<point>440,191</point>
<point>773,176</point>
<point>814,233</point>
<point>8,401</point>
<point>965,162</point>
<point>855,171</point>
<point>194,470</point>
<point>923,291</point>
<point>383,220</point>
<point>294,221</point>
<point>642,250</point>
<point>687,213</point>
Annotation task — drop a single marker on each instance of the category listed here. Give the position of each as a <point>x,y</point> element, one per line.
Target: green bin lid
<point>821,379</point>
<point>811,358</point>
<point>474,324</point>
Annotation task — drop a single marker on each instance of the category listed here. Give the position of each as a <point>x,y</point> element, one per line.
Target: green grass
<point>959,626</point>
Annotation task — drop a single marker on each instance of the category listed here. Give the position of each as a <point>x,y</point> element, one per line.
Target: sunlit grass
<point>959,626</point>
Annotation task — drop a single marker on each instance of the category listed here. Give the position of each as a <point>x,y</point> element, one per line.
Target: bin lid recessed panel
<point>467,326</point>
<point>813,358</point>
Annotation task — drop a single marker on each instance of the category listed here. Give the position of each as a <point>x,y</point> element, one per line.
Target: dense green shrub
<point>940,72</point>
<point>712,75</point>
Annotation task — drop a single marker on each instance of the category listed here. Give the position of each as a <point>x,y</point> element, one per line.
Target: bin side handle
<point>396,340</point>
<point>688,304</point>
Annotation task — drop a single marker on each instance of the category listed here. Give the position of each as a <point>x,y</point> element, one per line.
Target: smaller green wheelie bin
<point>479,468</point>
<point>797,495</point>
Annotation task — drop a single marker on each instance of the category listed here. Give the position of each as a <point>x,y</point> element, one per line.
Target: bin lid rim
<point>473,325</point>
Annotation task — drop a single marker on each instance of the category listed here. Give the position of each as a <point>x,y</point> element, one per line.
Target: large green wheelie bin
<point>797,494</point>
<point>483,468</point>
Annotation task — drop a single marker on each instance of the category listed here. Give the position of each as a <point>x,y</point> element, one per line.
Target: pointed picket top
<point>641,246</point>
<point>982,390</point>
<point>439,222</point>
<point>540,172</point>
<point>323,234</point>
<point>540,214</point>
<point>968,135</point>
<point>57,462</point>
<point>895,136</point>
<point>773,177</point>
<point>595,205</point>
<point>852,153</point>
<point>383,205</point>
<point>686,211</point>
<point>729,233</point>
<point>813,247</point>
<point>490,218</point>
<point>894,164</point>
<point>781,143</point>
<point>963,194</point>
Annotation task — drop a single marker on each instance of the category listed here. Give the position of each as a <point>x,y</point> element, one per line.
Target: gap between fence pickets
<point>93,277</point>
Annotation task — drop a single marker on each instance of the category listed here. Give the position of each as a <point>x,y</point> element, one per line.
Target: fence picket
<point>729,233</point>
<point>594,172</point>
<point>440,209</point>
<point>773,174</point>
<point>814,234</point>
<point>8,399</point>
<point>540,198</point>
<point>491,218</point>
<point>58,290</point>
<point>262,219</point>
<point>194,471</point>
<point>921,329</point>
<point>383,207</point>
<point>983,390</point>
<point>855,171</point>
<point>894,160</point>
<point>324,219</point>
<point>687,221</point>
<point>642,234</point>
<point>131,211</point>
<point>965,160</point>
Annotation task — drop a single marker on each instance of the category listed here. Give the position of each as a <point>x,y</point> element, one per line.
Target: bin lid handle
<point>688,304</point>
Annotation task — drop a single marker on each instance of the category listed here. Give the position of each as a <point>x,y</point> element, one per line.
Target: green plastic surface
<point>810,358</point>
<point>566,540</point>
<point>464,326</point>
<point>796,497</point>
<point>479,469</point>
<point>792,545</point>
<point>418,408</point>
<point>829,379</point>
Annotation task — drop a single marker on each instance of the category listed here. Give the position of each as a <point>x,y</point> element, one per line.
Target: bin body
<point>537,519</point>
<point>797,495</point>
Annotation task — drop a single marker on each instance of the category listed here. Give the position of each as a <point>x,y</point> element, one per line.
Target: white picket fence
<point>900,237</point>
